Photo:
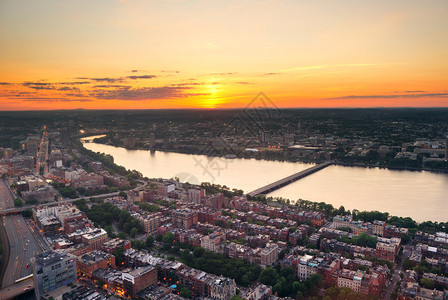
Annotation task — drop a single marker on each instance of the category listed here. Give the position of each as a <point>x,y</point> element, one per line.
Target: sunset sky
<point>106,54</point>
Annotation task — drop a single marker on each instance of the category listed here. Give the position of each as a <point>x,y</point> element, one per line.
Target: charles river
<point>419,195</point>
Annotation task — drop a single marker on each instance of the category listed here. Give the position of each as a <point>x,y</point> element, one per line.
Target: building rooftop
<point>93,257</point>
<point>50,257</point>
<point>140,271</point>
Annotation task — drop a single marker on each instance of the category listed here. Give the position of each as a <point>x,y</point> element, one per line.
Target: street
<point>396,276</point>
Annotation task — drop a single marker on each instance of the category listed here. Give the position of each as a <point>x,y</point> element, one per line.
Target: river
<point>419,195</point>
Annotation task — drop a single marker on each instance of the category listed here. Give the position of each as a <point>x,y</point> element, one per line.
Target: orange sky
<point>107,54</point>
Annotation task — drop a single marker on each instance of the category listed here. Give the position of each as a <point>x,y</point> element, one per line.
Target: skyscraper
<point>446,148</point>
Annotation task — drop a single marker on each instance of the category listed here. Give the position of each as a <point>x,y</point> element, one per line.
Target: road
<point>42,153</point>
<point>25,207</point>
<point>407,250</point>
<point>22,242</point>
<point>16,290</point>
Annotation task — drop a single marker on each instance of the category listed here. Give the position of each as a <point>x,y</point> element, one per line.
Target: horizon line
<point>226,108</point>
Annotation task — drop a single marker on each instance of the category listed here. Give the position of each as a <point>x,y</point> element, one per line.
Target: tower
<point>446,148</point>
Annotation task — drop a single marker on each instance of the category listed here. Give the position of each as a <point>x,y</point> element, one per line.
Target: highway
<point>23,244</point>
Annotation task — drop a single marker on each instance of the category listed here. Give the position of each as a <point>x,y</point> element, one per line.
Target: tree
<point>185,292</point>
<point>198,252</point>
<point>123,194</point>
<point>332,292</point>
<point>149,241</point>
<point>427,283</point>
<point>168,239</point>
<point>345,228</point>
<point>175,250</point>
<point>137,244</point>
<point>121,235</point>
<point>134,232</point>
<point>405,239</point>
<point>269,276</point>
<point>407,264</point>
<point>18,202</point>
<point>119,256</point>
<point>159,238</point>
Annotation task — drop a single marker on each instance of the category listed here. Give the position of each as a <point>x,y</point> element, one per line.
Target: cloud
<point>195,83</point>
<point>414,91</point>
<point>111,86</point>
<point>5,83</point>
<point>134,71</point>
<point>74,82</point>
<point>147,93</point>
<point>400,96</point>
<point>16,94</point>
<point>46,99</point>
<point>188,84</point>
<point>271,73</point>
<point>28,83</point>
<point>39,85</point>
<point>244,82</point>
<point>103,79</point>
<point>326,66</point>
<point>168,71</point>
<point>223,74</point>
<point>65,88</point>
<point>142,77</point>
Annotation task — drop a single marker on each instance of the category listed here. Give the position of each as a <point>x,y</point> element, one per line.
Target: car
<point>27,265</point>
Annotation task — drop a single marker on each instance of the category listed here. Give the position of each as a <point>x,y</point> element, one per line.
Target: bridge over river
<point>287,180</point>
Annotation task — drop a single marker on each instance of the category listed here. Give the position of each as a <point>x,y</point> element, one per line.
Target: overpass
<point>17,289</point>
<point>15,210</point>
<point>287,180</point>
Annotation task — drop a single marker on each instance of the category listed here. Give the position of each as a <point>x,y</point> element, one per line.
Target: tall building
<point>53,269</point>
<point>269,254</point>
<point>446,148</point>
<point>152,140</point>
<point>264,137</point>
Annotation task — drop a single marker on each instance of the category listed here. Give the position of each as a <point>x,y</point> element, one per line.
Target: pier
<point>287,180</point>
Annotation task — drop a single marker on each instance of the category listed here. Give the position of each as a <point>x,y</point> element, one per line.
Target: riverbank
<point>344,164</point>
<point>399,192</point>
<point>279,159</point>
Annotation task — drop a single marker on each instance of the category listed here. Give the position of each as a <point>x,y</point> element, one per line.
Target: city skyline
<point>210,54</point>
